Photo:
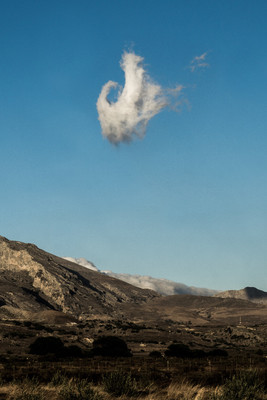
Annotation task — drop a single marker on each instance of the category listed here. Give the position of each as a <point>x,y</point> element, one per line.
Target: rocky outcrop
<point>33,280</point>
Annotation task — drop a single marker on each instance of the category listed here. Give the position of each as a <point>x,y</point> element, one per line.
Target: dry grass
<point>26,391</point>
<point>81,389</point>
<point>180,391</point>
<point>175,391</point>
<point>185,391</point>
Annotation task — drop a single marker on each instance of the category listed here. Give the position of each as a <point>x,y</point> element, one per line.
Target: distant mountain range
<point>36,285</point>
<point>166,287</point>
<point>162,286</point>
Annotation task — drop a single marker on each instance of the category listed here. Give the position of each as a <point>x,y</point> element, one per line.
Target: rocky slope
<point>248,293</point>
<point>32,280</point>
<point>36,285</point>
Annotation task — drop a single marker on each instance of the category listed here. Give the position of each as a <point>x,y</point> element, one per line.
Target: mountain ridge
<point>37,280</point>
<point>36,284</point>
<point>249,293</point>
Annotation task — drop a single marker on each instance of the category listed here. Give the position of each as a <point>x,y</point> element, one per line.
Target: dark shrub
<point>155,354</point>
<point>53,345</point>
<point>46,345</point>
<point>110,346</point>
<point>72,351</point>
<point>183,351</point>
<point>197,354</point>
<point>218,353</point>
<point>178,350</point>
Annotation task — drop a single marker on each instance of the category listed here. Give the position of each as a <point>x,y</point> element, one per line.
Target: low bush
<point>110,346</point>
<point>72,351</point>
<point>183,351</point>
<point>218,353</point>
<point>46,345</point>
<point>155,354</point>
<point>119,383</point>
<point>43,346</point>
<point>178,350</point>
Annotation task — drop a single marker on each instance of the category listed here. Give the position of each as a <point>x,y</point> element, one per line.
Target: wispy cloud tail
<point>199,62</point>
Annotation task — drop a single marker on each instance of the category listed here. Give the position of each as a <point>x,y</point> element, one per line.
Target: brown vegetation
<point>67,333</point>
<point>118,384</point>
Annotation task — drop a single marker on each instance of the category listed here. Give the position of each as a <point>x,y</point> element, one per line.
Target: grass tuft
<point>245,385</point>
<point>119,383</point>
<point>78,390</point>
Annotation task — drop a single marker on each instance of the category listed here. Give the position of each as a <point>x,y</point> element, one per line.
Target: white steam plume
<point>137,102</point>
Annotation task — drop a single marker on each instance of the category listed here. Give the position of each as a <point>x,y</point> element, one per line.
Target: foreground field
<point>212,362</point>
<point>136,378</point>
<point>247,385</point>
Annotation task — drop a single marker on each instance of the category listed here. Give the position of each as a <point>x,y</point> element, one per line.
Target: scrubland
<point>169,362</point>
<point>68,382</point>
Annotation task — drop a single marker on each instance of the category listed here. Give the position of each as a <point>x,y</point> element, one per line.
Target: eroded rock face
<point>16,263</point>
<point>34,280</point>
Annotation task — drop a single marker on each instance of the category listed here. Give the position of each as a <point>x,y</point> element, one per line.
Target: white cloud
<point>162,286</point>
<point>199,62</point>
<point>137,102</point>
<point>83,262</point>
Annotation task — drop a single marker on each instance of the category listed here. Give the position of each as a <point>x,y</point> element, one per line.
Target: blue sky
<point>187,202</point>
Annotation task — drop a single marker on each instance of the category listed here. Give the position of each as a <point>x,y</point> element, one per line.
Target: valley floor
<point>148,375</point>
<point>137,378</point>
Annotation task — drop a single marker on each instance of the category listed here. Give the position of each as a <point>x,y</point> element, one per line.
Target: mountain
<point>199,310</point>
<point>164,287</point>
<point>32,280</point>
<point>248,293</point>
<point>36,285</point>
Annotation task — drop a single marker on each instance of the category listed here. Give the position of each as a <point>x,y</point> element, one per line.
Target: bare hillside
<point>248,293</point>
<point>33,280</point>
